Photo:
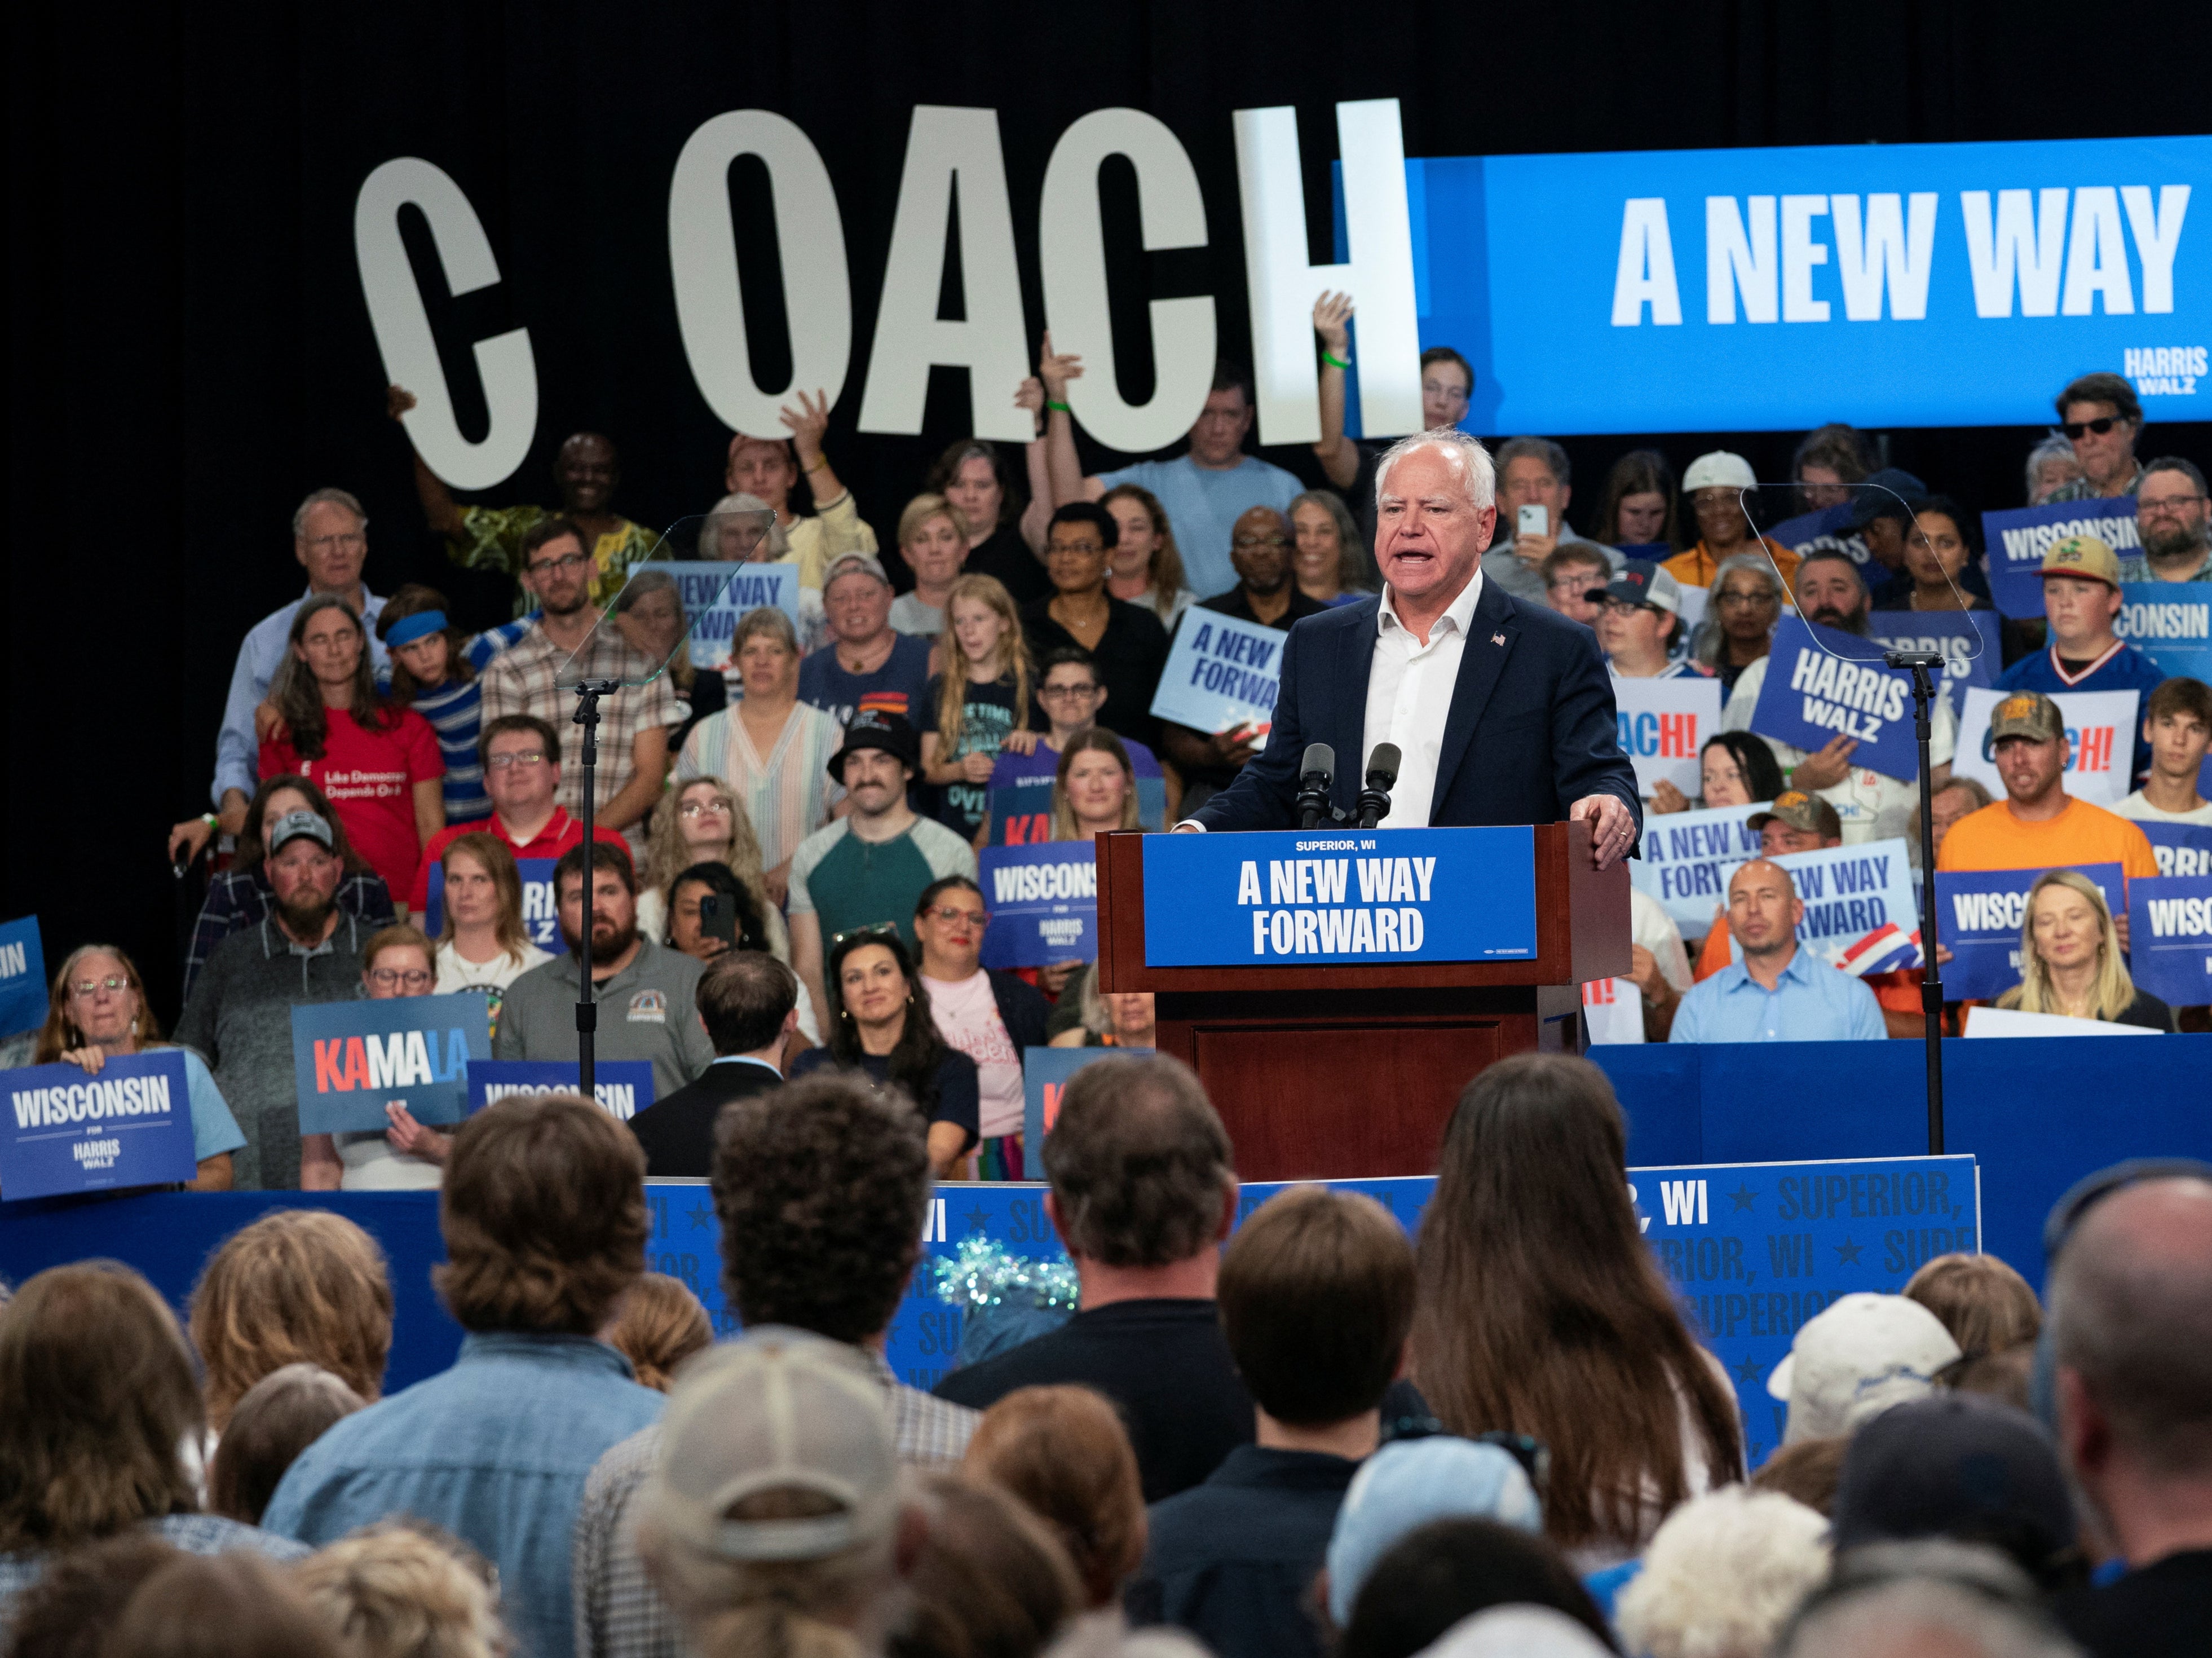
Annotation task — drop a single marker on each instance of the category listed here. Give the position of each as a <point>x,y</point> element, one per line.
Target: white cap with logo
<point>1721,469</point>
<point>1864,1354</point>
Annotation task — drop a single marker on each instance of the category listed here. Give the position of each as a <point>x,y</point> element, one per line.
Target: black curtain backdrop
<point>190,353</point>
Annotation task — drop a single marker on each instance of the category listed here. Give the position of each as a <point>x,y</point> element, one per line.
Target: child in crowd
<point>982,696</point>
<point>433,672</point>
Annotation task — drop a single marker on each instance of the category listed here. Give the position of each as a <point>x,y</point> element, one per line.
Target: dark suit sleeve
<point>1265,793</point>
<point>1586,756</point>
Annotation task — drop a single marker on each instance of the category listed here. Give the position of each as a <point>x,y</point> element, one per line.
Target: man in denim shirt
<point>545,1221</point>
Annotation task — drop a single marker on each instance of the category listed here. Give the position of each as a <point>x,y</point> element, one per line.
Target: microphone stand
<point>588,693</point>
<point>1922,665</point>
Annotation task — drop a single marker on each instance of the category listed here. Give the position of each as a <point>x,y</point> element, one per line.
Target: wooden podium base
<point>1351,1084</point>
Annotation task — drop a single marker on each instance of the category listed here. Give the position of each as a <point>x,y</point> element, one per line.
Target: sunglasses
<point>877,930</point>
<point>2075,428</point>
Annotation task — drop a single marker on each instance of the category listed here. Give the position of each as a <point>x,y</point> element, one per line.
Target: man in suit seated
<point>748,1002</point>
<point>1501,709</point>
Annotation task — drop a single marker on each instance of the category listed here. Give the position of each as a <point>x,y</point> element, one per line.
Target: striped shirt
<point>788,795</point>
<point>455,712</point>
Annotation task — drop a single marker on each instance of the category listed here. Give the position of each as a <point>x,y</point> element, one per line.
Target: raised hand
<point>1331,316</point>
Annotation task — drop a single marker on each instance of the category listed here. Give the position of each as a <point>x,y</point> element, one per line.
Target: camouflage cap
<point>1800,810</point>
<point>2028,713</point>
<point>2085,558</point>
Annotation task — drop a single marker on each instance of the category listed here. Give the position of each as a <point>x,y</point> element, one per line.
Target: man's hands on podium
<point>1613,831</point>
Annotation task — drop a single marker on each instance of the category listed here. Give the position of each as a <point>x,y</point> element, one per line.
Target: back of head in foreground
<point>1985,1305</point>
<point>1440,1574</point>
<point>396,1591</point>
<point>68,1612</point>
<point>1722,1575</point>
<point>1927,1600</point>
<point>1139,1165</point>
<point>220,1605</point>
<point>1064,1452</point>
<point>1542,1310</point>
<point>661,1324</point>
<point>991,1580</point>
<point>282,1414</point>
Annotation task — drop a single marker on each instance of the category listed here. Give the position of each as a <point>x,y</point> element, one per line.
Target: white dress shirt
<point>1409,693</point>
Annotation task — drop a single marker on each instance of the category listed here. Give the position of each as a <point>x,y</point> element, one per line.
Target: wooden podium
<point>1341,1071</point>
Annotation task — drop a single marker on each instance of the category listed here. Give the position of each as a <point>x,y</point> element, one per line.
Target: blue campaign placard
<point>2170,937</point>
<point>1043,902</point>
<point>539,918</point>
<point>1978,915</point>
<point>1753,1250</point>
<point>2171,622</point>
<point>2018,538</point>
<point>622,1087</point>
<point>1974,653</point>
<point>67,1132</point>
<point>1687,858</point>
<point>1859,911</point>
<point>1651,552</point>
<point>715,596</point>
<point>1822,528</point>
<point>23,993</point>
<point>1313,896</point>
<point>350,1060</point>
<point>1045,1072</point>
<point>1821,683</point>
<point>1222,672</point>
<point>2180,848</point>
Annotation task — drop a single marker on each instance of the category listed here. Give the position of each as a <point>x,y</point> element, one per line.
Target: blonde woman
<point>2070,956</point>
<point>700,821</point>
<point>484,946</point>
<point>932,539</point>
<point>1145,569</point>
<point>981,698</point>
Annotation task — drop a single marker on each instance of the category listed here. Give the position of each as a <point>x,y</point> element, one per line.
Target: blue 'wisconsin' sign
<point>1821,683</point>
<point>1043,902</point>
<point>2018,539</point>
<point>2169,939</point>
<point>2180,848</point>
<point>65,1131</point>
<point>1978,915</point>
<point>622,1087</point>
<point>23,976</point>
<point>350,1060</point>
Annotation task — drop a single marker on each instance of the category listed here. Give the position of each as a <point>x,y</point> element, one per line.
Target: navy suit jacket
<point>1531,730</point>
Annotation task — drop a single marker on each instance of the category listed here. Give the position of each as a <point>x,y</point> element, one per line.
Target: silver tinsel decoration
<point>982,1274</point>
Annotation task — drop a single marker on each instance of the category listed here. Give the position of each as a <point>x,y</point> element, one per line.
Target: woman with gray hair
<point>2051,465</point>
<point>1747,601</point>
<point>741,529</point>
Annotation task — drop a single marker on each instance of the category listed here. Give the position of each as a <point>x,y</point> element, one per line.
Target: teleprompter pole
<point>588,693</point>
<point>1922,665</point>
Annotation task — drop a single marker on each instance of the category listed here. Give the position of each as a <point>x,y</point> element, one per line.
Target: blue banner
<point>714,597</point>
<point>1773,290</point>
<point>1859,912</point>
<point>1045,1072</point>
<point>2169,939</point>
<point>1222,672</point>
<point>1043,902</point>
<point>1652,552</point>
<point>1687,858</point>
<point>1752,1251</point>
<point>1973,653</point>
<point>23,990</point>
<point>1426,895</point>
<point>2018,539</point>
<point>539,918</point>
<point>622,1087</point>
<point>2172,620</point>
<point>1020,793</point>
<point>1821,683</point>
<point>67,1132</point>
<point>2180,848</point>
<point>350,1060</point>
<point>1978,915</point>
<point>1820,530</point>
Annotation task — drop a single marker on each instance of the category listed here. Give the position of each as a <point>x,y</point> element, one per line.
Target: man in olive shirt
<point>647,994</point>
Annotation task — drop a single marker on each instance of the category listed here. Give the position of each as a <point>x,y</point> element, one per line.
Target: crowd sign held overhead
<point>350,1060</point>
<point>1687,858</point>
<point>1664,724</point>
<point>1821,684</point>
<point>2100,728</point>
<point>1222,672</point>
<point>1979,913</point>
<point>64,1131</point>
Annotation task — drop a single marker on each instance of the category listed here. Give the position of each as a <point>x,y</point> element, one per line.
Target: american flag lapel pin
<point>1498,639</point>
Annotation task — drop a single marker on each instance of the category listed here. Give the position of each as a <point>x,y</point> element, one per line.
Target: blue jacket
<point>1532,727</point>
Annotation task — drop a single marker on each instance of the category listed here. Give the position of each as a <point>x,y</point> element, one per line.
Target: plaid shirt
<point>239,898</point>
<point>521,679</point>
<point>2083,490</point>
<point>194,1534</point>
<point>618,1612</point>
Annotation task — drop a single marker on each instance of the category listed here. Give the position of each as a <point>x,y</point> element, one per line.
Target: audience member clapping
<point>1412,1484</point>
<point>404,1590</point>
<point>2071,960</point>
<point>1914,1600</point>
<point>1986,1306</point>
<point>280,1415</point>
<point>1531,1224</point>
<point>298,1287</point>
<point>1861,1355</point>
<point>981,696</point>
<point>1064,1452</point>
<point>661,1324</point>
<point>932,539</point>
<point>991,1580</point>
<point>1450,1576</point>
<point>1723,1576</point>
<point>234,1607</point>
<point>545,1221</point>
<point>97,1009</point>
<point>701,821</point>
<point>98,1413</point>
<point>69,1612</point>
<point>400,961</point>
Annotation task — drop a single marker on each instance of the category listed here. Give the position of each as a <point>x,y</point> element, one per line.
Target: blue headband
<point>421,625</point>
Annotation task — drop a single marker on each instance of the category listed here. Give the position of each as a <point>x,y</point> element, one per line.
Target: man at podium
<point>1500,711</point>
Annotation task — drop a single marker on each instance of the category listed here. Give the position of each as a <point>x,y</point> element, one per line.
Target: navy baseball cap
<point>1957,1465</point>
<point>1645,584</point>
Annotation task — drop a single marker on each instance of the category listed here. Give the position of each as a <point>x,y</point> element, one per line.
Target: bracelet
<point>210,820</point>
<point>817,463</point>
<point>1063,408</point>
<point>1333,362</point>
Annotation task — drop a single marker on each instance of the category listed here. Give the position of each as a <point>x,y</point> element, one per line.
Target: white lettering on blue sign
<point>92,1100</point>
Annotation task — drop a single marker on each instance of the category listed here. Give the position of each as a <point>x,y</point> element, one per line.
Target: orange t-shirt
<point>1695,567</point>
<point>1993,838</point>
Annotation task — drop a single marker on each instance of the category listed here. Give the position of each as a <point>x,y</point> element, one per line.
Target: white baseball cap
<point>1864,1354</point>
<point>1720,470</point>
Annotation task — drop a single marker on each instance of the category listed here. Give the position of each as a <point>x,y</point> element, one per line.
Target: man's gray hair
<point>344,498</point>
<point>1543,449</point>
<point>1885,1594</point>
<point>1480,474</point>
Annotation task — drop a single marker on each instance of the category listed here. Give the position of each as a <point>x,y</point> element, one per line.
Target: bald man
<point>2131,1333</point>
<point>1776,992</point>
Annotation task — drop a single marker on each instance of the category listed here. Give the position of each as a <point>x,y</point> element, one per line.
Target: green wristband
<point>1333,362</point>
<point>1062,407</point>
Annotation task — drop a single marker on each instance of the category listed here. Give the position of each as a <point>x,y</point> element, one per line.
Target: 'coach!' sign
<point>1446,894</point>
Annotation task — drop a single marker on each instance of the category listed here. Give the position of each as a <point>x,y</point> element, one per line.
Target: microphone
<point>1316,774</point>
<point>1382,778</point>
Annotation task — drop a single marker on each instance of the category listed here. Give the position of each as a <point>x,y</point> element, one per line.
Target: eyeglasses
<point>563,566</point>
<point>328,544</point>
<point>1752,600</point>
<point>1066,693</point>
<point>949,917</point>
<point>384,978</point>
<point>703,809</point>
<point>86,989</point>
<point>2075,428</point>
<point>1249,541</point>
<point>2167,504</point>
<point>876,930</point>
<point>522,757</point>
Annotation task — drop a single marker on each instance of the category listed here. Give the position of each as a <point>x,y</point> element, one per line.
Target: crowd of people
<point>1303,1434</point>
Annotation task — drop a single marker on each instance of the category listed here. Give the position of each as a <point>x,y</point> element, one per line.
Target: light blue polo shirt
<point>1812,1002</point>
<point>1203,504</point>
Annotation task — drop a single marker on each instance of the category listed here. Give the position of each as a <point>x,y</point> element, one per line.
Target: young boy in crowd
<point>1316,1296</point>
<point>2177,728</point>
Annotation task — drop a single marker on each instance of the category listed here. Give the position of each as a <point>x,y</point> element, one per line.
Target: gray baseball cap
<point>293,824</point>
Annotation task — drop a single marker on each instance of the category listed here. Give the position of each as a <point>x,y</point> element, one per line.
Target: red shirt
<point>370,777</point>
<point>560,832</point>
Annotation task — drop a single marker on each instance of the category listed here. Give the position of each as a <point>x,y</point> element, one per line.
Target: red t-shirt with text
<point>370,778</point>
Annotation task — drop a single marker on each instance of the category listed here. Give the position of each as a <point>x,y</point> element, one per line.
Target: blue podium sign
<point>622,1087</point>
<point>2180,848</point>
<point>350,1060</point>
<point>1978,915</point>
<point>23,976</point>
<point>1316,896</point>
<point>1044,904</point>
<point>67,1132</point>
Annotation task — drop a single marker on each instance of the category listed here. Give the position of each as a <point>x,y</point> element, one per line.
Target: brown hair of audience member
<point>96,1399</point>
<point>282,1414</point>
<point>1809,1471</point>
<point>1985,1305</point>
<point>742,999</point>
<point>1541,1310</point>
<point>1441,1573</point>
<point>395,1590</point>
<point>220,1605</point>
<point>399,935</point>
<point>1098,740</point>
<point>1164,572</point>
<point>661,1324</point>
<point>1064,1452</point>
<point>60,1033</point>
<point>252,849</point>
<point>1638,473</point>
<point>68,1612</point>
<point>413,598</point>
<point>820,1186</point>
<point>991,1580</point>
<point>298,1287</point>
<point>1316,1296</point>
<point>1139,1164</point>
<point>2007,1376</point>
<point>296,694</point>
<point>544,1216</point>
<point>496,858</point>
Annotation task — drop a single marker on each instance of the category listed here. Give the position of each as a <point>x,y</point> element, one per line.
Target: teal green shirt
<point>847,882</point>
